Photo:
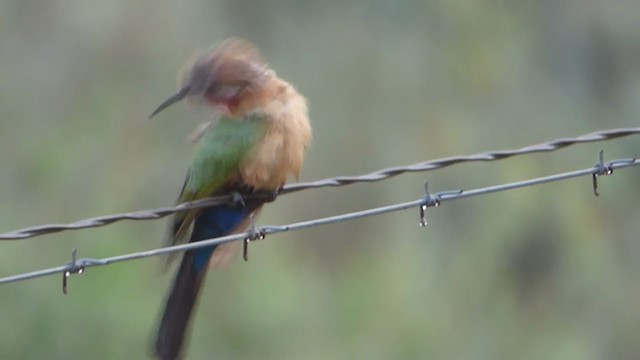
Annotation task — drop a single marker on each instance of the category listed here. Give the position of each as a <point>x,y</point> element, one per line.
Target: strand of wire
<point>428,200</point>
<point>379,175</point>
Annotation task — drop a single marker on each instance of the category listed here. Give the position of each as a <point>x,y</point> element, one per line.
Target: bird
<point>255,143</point>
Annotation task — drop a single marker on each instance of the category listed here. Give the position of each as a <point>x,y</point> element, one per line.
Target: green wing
<point>215,166</point>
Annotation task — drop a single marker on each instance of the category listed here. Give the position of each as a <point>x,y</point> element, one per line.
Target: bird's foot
<point>237,199</point>
<point>255,233</point>
<point>270,195</point>
<point>265,195</point>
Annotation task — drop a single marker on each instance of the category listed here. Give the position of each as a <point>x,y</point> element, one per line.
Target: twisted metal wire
<point>379,175</point>
<point>77,266</point>
<point>454,160</point>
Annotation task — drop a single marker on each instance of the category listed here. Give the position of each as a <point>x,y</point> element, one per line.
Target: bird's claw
<point>237,199</point>
<point>271,195</point>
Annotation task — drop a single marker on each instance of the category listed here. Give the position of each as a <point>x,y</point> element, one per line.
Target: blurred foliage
<point>547,272</point>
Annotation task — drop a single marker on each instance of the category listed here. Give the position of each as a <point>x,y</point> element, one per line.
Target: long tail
<point>211,223</point>
<point>178,309</point>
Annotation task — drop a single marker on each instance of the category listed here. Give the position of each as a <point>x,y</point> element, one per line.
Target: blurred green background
<point>548,272</point>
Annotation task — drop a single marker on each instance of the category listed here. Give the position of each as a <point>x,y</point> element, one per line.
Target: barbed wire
<point>76,266</point>
<point>379,175</point>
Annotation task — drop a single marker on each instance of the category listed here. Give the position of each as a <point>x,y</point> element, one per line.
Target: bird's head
<point>222,77</point>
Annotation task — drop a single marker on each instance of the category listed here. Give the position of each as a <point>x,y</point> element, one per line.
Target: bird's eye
<point>211,91</point>
<point>222,91</point>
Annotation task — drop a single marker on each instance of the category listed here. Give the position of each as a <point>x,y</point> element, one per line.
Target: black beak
<point>181,94</point>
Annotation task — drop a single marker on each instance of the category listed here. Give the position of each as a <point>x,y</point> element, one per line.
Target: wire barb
<point>245,249</point>
<point>72,268</point>
<point>254,233</point>
<point>429,201</point>
<point>600,169</point>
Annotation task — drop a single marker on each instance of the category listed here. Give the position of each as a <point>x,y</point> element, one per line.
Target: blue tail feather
<point>211,223</point>
<point>214,222</point>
